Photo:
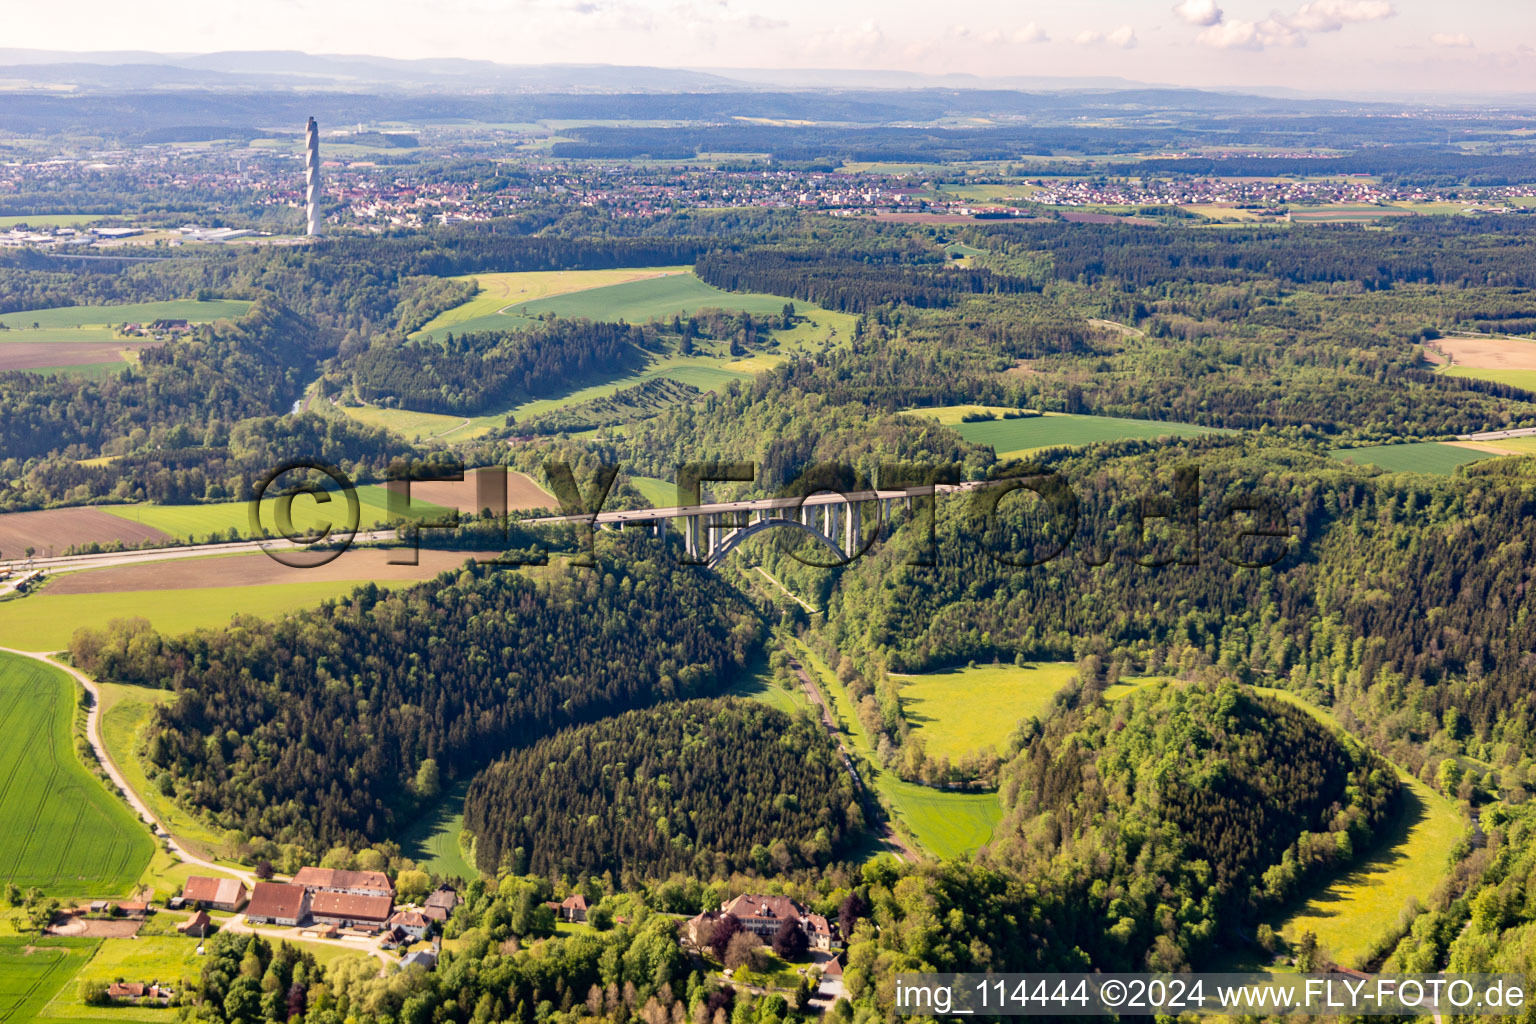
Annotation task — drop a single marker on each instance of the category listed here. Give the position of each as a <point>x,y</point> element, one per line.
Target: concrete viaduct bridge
<point>712,530</point>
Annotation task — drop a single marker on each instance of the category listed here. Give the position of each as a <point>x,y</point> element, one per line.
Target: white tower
<point>312,177</point>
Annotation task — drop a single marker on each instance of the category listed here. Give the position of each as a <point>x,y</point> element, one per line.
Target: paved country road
<point>93,733</point>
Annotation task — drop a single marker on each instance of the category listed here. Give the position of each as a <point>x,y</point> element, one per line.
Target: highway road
<point>75,563</point>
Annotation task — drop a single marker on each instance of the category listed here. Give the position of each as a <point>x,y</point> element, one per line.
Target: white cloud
<point>1457,39</point>
<point>1288,30</point>
<point>1198,12</point>
<point>1250,35</point>
<point>1332,15</point>
<point>1031,33</point>
<point>1123,37</point>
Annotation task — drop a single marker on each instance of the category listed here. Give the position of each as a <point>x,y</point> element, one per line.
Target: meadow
<point>46,622</point>
<point>199,522</point>
<point>34,969</point>
<point>1354,910</point>
<point>945,823</point>
<point>1030,433</point>
<point>125,709</point>
<point>965,710</point>
<point>132,312</point>
<point>500,292</point>
<point>1413,457</point>
<point>1515,378</point>
<point>432,841</point>
<point>60,828</point>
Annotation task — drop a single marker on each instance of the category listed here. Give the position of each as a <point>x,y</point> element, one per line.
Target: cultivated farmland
<point>134,312</point>
<point>60,829</point>
<point>1011,437</point>
<point>505,292</point>
<point>47,621</point>
<point>53,530</point>
<point>1413,457</point>
<point>33,969</point>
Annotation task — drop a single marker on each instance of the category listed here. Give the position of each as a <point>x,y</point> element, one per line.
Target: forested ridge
<point>706,787</point>
<point>309,730</point>
<point>1201,800</point>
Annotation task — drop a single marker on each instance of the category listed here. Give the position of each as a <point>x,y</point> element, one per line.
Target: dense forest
<point>1206,800</point>
<point>706,787</point>
<point>303,731</point>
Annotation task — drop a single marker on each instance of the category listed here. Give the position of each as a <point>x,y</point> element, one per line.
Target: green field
<point>660,493</point>
<point>60,828</point>
<point>49,335</point>
<point>79,369</point>
<point>133,312</point>
<point>1352,912</point>
<point>1514,378</point>
<point>34,969</point>
<point>946,824</point>
<point>198,522</point>
<point>432,841</point>
<point>124,712</point>
<point>964,710</point>
<point>45,622</point>
<point>1019,436</point>
<point>677,292</point>
<point>1414,457</point>
<point>512,290</point>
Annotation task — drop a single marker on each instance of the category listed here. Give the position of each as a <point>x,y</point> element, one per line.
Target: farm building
<point>197,926</point>
<point>444,899</point>
<point>573,908</point>
<point>347,910</point>
<point>277,903</point>
<point>351,883</point>
<point>227,894</point>
<point>764,916</point>
<point>412,923</point>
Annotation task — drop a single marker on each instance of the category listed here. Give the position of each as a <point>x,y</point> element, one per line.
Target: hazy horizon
<point>1317,46</point>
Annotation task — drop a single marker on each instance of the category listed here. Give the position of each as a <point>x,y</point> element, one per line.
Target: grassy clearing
<point>93,370</point>
<point>133,312</point>
<point>647,294</point>
<point>1020,436</point>
<point>198,522</point>
<point>756,683</point>
<point>964,710</point>
<point>432,840</point>
<point>660,493</point>
<point>1514,378</point>
<point>1361,905</point>
<point>125,710</point>
<point>60,828</point>
<point>946,824</point>
<point>34,969</point>
<point>1503,446</point>
<point>1414,457</point>
<point>505,291</point>
<point>47,621</point>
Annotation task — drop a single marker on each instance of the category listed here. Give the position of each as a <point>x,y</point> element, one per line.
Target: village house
<point>412,923</point>
<point>763,916</point>
<point>444,899</point>
<point>228,894</point>
<point>137,992</point>
<point>197,926</point>
<point>347,910</point>
<point>573,908</point>
<point>350,883</point>
<point>277,903</point>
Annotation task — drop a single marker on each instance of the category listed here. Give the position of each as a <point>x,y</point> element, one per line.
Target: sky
<point>1422,46</point>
